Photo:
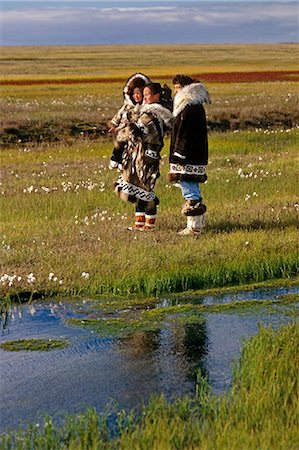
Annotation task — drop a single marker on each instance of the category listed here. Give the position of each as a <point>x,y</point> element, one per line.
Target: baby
<point>129,112</point>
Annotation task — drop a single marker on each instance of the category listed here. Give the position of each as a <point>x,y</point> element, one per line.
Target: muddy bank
<point>53,131</point>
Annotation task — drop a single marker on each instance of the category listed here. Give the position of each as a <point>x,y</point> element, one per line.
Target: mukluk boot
<point>195,212</point>
<point>139,221</point>
<point>195,226</point>
<point>150,222</point>
<point>193,208</point>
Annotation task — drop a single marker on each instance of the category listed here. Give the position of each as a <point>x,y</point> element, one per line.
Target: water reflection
<point>94,370</point>
<point>172,355</point>
<point>196,344</point>
<point>226,298</point>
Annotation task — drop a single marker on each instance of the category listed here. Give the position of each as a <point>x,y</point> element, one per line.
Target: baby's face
<point>137,95</point>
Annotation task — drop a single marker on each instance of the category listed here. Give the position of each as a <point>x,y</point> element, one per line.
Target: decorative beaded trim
<point>189,169</point>
<point>135,191</point>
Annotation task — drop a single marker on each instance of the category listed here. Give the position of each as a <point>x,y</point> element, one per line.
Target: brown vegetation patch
<point>212,77</point>
<point>250,77</point>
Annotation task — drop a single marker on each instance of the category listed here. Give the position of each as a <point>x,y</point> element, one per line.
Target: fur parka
<point>141,158</point>
<point>189,140</point>
<point>129,111</point>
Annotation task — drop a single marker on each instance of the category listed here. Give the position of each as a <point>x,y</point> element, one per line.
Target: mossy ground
<point>42,344</point>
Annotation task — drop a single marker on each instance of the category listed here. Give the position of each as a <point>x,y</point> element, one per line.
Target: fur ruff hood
<point>192,94</point>
<point>127,99</point>
<point>159,111</point>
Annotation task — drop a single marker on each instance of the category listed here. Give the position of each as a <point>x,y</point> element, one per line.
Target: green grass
<point>60,112</point>
<point>63,111</point>
<point>133,319</point>
<point>43,344</point>
<point>111,61</point>
<point>63,232</point>
<point>60,218</point>
<point>259,412</point>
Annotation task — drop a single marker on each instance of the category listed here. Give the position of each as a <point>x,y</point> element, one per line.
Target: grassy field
<point>59,216</point>
<point>53,110</point>
<point>156,60</point>
<point>64,231</point>
<point>259,412</point>
<point>62,223</point>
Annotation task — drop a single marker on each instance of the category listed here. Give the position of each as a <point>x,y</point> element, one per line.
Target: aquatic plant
<point>41,344</point>
<point>111,324</point>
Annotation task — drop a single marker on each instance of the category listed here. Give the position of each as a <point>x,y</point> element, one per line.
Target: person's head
<point>152,93</point>
<point>135,90</point>
<point>179,81</point>
<point>137,95</point>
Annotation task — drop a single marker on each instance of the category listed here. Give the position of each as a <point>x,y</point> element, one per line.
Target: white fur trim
<point>192,94</point>
<point>150,216</point>
<point>179,155</point>
<point>127,98</point>
<point>158,111</point>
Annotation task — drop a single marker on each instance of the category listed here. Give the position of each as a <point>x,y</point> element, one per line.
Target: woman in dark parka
<point>189,148</point>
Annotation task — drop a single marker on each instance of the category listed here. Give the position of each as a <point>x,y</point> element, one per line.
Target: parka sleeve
<point>181,139</point>
<point>116,119</point>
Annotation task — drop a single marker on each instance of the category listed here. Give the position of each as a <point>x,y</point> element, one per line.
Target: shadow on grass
<point>255,224</point>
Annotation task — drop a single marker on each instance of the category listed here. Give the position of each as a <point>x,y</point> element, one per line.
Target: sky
<point>77,22</point>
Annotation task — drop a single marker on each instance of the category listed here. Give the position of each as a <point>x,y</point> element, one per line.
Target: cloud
<point>183,23</point>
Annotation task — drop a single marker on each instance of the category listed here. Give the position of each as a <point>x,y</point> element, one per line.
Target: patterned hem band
<point>135,191</point>
<point>189,169</point>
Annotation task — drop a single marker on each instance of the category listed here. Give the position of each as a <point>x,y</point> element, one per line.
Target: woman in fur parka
<point>118,125</point>
<point>141,158</point>
<point>189,148</point>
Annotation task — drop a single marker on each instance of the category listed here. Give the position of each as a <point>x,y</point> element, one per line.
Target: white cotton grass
<point>101,216</point>
<point>253,168</point>
<point>66,186</point>
<point>54,279</point>
<point>15,280</point>
<point>10,280</point>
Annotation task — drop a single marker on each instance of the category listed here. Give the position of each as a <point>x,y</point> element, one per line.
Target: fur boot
<point>150,221</point>
<point>193,208</point>
<point>195,225</point>
<point>139,221</point>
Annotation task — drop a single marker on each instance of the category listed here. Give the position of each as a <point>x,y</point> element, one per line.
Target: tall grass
<point>111,61</point>
<point>59,215</point>
<point>259,412</point>
<point>41,106</point>
<point>62,111</point>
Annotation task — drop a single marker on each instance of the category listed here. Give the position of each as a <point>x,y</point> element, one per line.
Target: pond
<point>124,370</point>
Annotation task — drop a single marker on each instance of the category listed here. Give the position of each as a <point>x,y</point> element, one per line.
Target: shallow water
<point>226,298</point>
<point>94,371</point>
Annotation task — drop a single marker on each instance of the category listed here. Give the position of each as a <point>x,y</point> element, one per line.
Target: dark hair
<point>155,88</point>
<point>183,80</point>
<point>165,93</point>
<point>166,98</point>
<point>136,83</point>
